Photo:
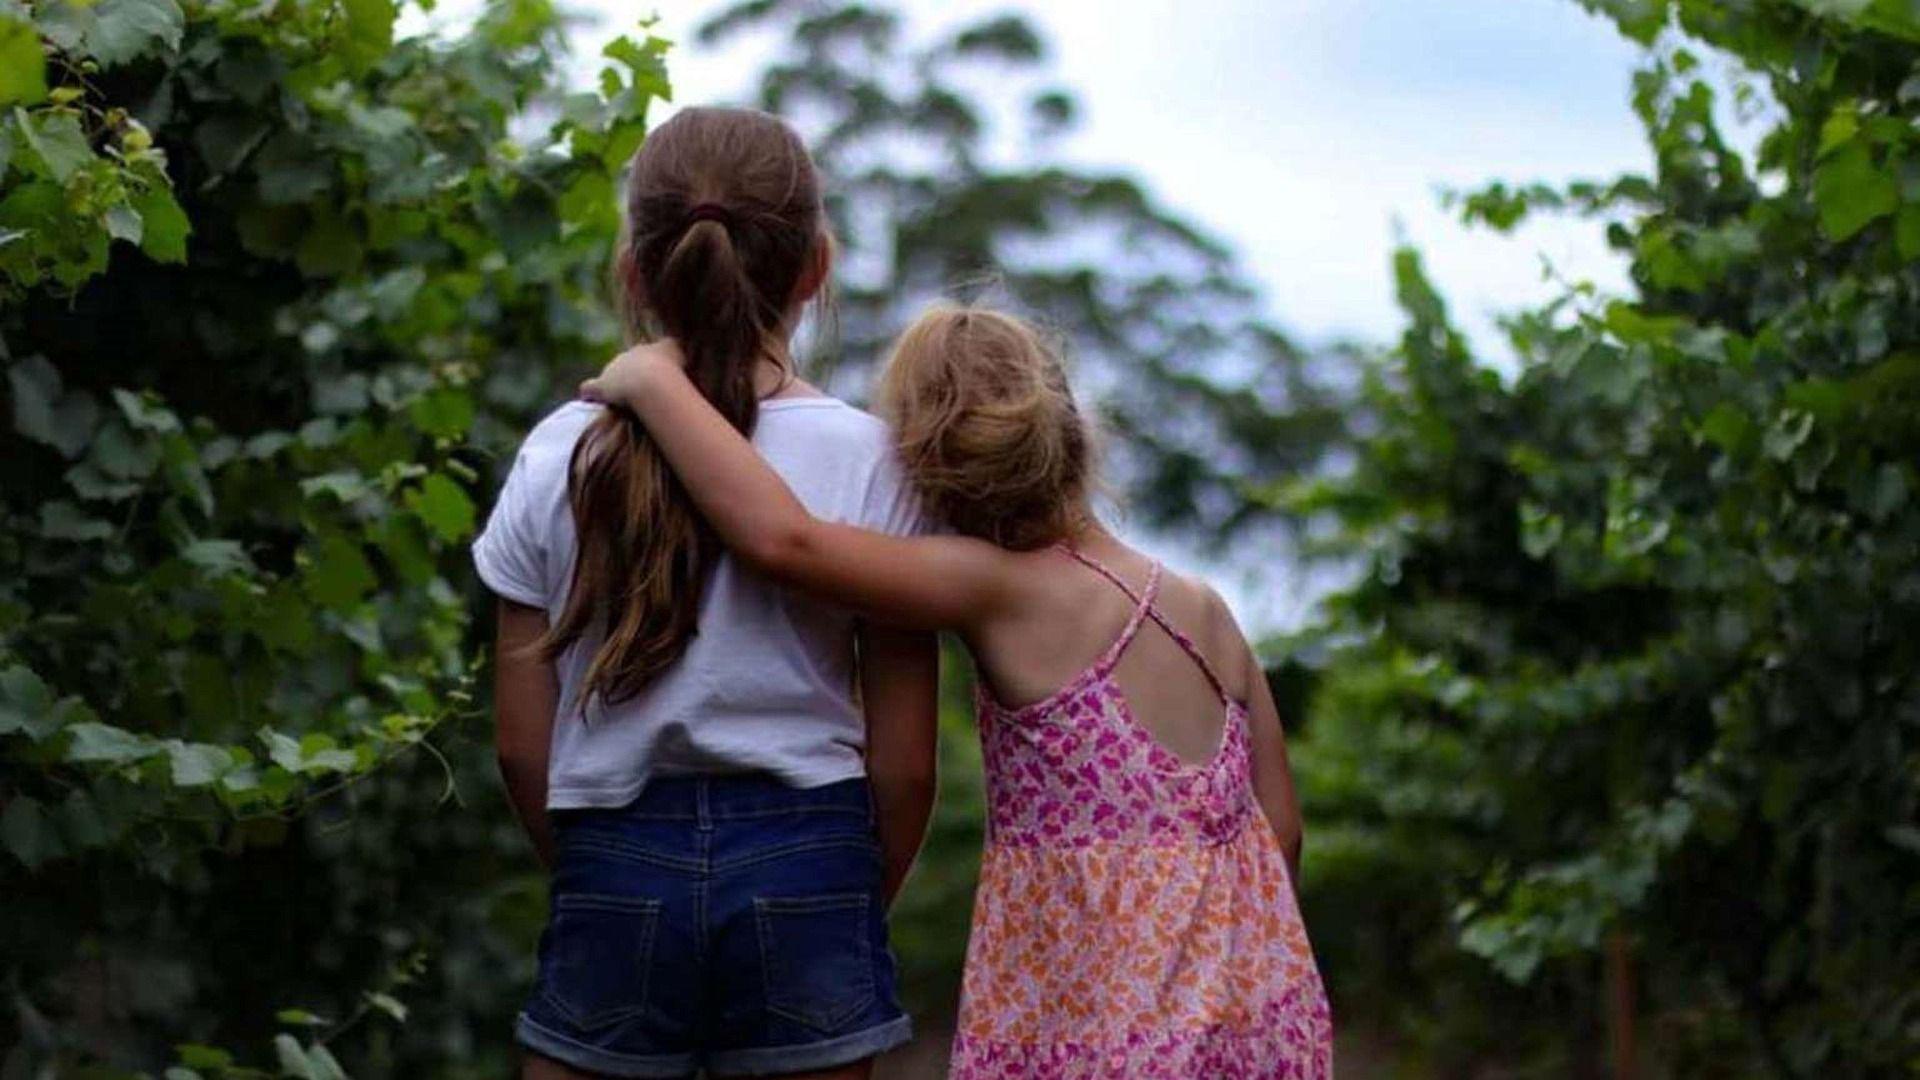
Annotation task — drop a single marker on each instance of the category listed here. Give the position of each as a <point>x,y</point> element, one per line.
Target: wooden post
<point>1623,1044</point>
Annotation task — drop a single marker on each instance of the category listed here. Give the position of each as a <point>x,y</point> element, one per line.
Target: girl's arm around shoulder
<point>935,582</point>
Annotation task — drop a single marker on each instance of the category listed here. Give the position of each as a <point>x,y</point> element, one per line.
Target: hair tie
<point>708,211</point>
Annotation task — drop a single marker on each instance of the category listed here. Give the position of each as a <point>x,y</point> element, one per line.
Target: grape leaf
<point>126,29</point>
<point>23,66</point>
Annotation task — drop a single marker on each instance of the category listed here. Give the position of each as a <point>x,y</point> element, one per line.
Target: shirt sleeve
<point>511,552</point>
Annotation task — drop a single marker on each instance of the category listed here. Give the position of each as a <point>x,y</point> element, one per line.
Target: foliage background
<point>1620,687</point>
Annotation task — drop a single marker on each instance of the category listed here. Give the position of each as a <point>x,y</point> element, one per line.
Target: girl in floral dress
<point>1136,915</point>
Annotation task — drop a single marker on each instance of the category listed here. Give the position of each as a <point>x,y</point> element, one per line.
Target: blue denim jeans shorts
<point>727,924</point>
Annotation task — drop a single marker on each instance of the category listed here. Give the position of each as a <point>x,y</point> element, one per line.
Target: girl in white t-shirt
<point>728,782</point>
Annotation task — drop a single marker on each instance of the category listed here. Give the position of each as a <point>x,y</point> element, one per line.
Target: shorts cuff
<point>549,1043</point>
<point>807,1057</point>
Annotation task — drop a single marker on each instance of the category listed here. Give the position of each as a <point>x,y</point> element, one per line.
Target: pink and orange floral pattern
<point>1135,918</point>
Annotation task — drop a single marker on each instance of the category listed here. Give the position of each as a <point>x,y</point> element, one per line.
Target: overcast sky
<point>1304,132</point>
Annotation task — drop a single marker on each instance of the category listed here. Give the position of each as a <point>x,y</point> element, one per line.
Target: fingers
<point>590,391</point>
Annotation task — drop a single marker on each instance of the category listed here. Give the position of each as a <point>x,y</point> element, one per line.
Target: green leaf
<point>186,475</point>
<point>292,1059</point>
<point>118,452</point>
<point>387,1004</point>
<point>43,413</point>
<point>1852,192</point>
<point>218,558</point>
<point>23,66</point>
<point>196,764</point>
<point>445,412</point>
<point>300,1018</point>
<point>96,742</point>
<point>318,753</point>
<point>330,247</point>
<point>369,29</point>
<point>62,520</point>
<point>123,223</point>
<point>165,225</point>
<point>1839,129</point>
<point>291,170</point>
<point>1727,427</point>
<point>1788,433</point>
<point>26,707</point>
<point>124,30</point>
<point>1640,20</point>
<point>323,1064</point>
<point>66,23</point>
<point>57,140</point>
<point>337,574</point>
<point>28,833</point>
<point>1906,233</point>
<point>346,485</point>
<point>443,507</point>
<point>194,1055</point>
<point>81,824</point>
<point>146,413</point>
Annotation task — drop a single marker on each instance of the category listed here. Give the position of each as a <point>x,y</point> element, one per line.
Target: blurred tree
<point>1632,666</point>
<point>273,284</point>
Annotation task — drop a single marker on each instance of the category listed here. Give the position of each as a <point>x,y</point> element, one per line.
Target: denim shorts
<point>732,925</point>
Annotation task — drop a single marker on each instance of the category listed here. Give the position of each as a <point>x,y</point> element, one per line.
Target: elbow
<point>778,552</point>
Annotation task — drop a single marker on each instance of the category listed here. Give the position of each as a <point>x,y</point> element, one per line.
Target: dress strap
<point>1143,602</point>
<point>1149,609</point>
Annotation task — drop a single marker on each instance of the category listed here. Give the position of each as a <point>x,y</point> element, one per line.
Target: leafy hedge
<point>1633,665</point>
<point>276,288</point>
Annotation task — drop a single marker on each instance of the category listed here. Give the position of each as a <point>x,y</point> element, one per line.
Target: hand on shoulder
<point>625,378</point>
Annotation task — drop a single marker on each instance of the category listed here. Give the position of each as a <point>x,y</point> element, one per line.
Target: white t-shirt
<point>767,684</point>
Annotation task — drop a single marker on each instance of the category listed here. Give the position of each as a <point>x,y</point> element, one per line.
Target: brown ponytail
<point>723,223</point>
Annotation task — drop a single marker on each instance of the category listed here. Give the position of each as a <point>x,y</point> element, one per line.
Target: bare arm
<point>900,691</point>
<point>525,695</point>
<point>1272,774</point>
<point>930,582</point>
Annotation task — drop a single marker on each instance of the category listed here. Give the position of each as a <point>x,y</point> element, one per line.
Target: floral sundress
<point>1135,917</point>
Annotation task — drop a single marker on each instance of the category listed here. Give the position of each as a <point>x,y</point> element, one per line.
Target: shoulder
<point>538,477</point>
<point>546,454</point>
<point>1217,634</point>
<point>557,432</point>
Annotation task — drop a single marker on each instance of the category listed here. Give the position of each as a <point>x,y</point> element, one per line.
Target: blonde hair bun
<point>987,427</point>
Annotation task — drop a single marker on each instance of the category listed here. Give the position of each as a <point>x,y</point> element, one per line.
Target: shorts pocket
<point>599,956</point>
<point>817,956</point>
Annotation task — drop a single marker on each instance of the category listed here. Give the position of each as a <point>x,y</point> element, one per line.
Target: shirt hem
<point>576,797</point>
